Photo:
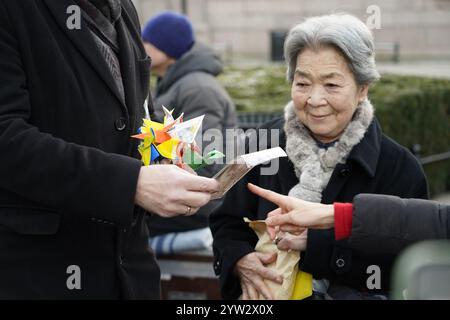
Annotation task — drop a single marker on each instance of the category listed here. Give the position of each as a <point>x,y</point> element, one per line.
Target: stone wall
<point>242,27</point>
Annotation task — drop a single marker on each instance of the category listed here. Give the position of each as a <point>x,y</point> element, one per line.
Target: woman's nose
<point>317,97</point>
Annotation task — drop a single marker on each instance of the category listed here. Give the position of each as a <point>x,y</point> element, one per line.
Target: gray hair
<point>343,31</point>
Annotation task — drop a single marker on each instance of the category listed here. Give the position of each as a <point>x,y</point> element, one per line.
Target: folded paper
<point>173,139</point>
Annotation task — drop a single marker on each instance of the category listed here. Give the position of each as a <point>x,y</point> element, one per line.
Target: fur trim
<point>313,165</point>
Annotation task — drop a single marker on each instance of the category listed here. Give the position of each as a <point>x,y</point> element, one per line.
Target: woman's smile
<point>319,117</point>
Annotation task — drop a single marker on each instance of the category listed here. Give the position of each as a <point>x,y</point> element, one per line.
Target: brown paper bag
<point>286,264</point>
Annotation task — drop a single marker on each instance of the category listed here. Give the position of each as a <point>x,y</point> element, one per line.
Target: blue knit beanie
<point>170,32</point>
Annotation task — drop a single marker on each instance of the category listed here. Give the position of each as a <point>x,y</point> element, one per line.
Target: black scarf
<point>102,15</point>
<point>109,8</point>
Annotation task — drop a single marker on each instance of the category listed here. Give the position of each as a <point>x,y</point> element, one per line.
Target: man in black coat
<point>368,169</point>
<point>71,95</point>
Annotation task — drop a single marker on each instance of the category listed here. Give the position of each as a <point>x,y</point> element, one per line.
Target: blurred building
<point>252,28</point>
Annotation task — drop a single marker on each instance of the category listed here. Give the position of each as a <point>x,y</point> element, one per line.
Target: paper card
<point>256,158</point>
<point>232,173</point>
<point>228,176</point>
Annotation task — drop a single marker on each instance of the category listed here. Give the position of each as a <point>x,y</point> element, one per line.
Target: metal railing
<point>252,120</point>
<point>435,158</point>
<point>416,150</point>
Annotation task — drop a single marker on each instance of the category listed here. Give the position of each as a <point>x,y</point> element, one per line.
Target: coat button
<point>120,124</point>
<point>344,172</point>
<point>120,260</point>
<point>340,263</point>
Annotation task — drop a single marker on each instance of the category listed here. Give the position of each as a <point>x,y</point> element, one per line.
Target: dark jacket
<point>387,224</point>
<point>190,86</point>
<point>68,179</point>
<point>376,165</point>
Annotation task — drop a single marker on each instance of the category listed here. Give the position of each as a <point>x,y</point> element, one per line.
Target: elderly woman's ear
<point>363,92</point>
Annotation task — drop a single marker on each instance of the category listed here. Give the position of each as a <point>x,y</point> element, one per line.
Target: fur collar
<point>313,165</point>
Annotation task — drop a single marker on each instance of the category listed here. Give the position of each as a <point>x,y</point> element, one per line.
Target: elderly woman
<point>336,150</point>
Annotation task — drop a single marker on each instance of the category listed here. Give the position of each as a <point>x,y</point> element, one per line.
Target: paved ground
<point>439,68</point>
<point>430,68</point>
<point>444,197</point>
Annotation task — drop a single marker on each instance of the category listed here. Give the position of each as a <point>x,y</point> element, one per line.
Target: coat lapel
<point>341,174</point>
<point>135,68</point>
<point>127,65</point>
<point>133,50</point>
<point>365,155</point>
<point>84,42</point>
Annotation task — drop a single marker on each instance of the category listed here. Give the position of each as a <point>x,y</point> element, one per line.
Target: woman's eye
<point>331,85</point>
<point>302,84</point>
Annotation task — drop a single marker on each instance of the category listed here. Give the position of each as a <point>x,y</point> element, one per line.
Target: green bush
<point>412,110</point>
<point>259,89</point>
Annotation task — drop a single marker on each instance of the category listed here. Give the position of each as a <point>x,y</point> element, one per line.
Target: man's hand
<point>252,272</point>
<point>170,191</point>
<point>183,166</point>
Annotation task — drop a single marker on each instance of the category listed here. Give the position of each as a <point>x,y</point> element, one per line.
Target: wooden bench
<point>189,276</point>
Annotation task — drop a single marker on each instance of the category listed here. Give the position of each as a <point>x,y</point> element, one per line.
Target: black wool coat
<point>68,166</point>
<point>387,224</point>
<point>376,165</point>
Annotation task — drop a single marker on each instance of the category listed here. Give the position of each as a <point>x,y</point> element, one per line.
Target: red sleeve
<point>343,213</point>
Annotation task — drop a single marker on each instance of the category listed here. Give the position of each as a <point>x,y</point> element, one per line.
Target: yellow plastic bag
<point>303,286</point>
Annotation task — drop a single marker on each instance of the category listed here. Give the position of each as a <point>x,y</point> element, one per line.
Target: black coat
<point>68,179</point>
<point>376,165</point>
<point>388,224</point>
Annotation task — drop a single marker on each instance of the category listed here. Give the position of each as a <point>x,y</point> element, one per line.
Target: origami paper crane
<point>173,140</point>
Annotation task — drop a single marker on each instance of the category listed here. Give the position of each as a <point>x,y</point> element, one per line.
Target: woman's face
<point>325,92</point>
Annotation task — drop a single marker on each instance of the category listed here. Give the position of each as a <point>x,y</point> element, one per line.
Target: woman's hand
<point>251,270</point>
<point>288,241</point>
<point>294,215</point>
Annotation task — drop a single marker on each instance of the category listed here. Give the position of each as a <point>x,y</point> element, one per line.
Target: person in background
<point>186,72</point>
<point>373,224</point>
